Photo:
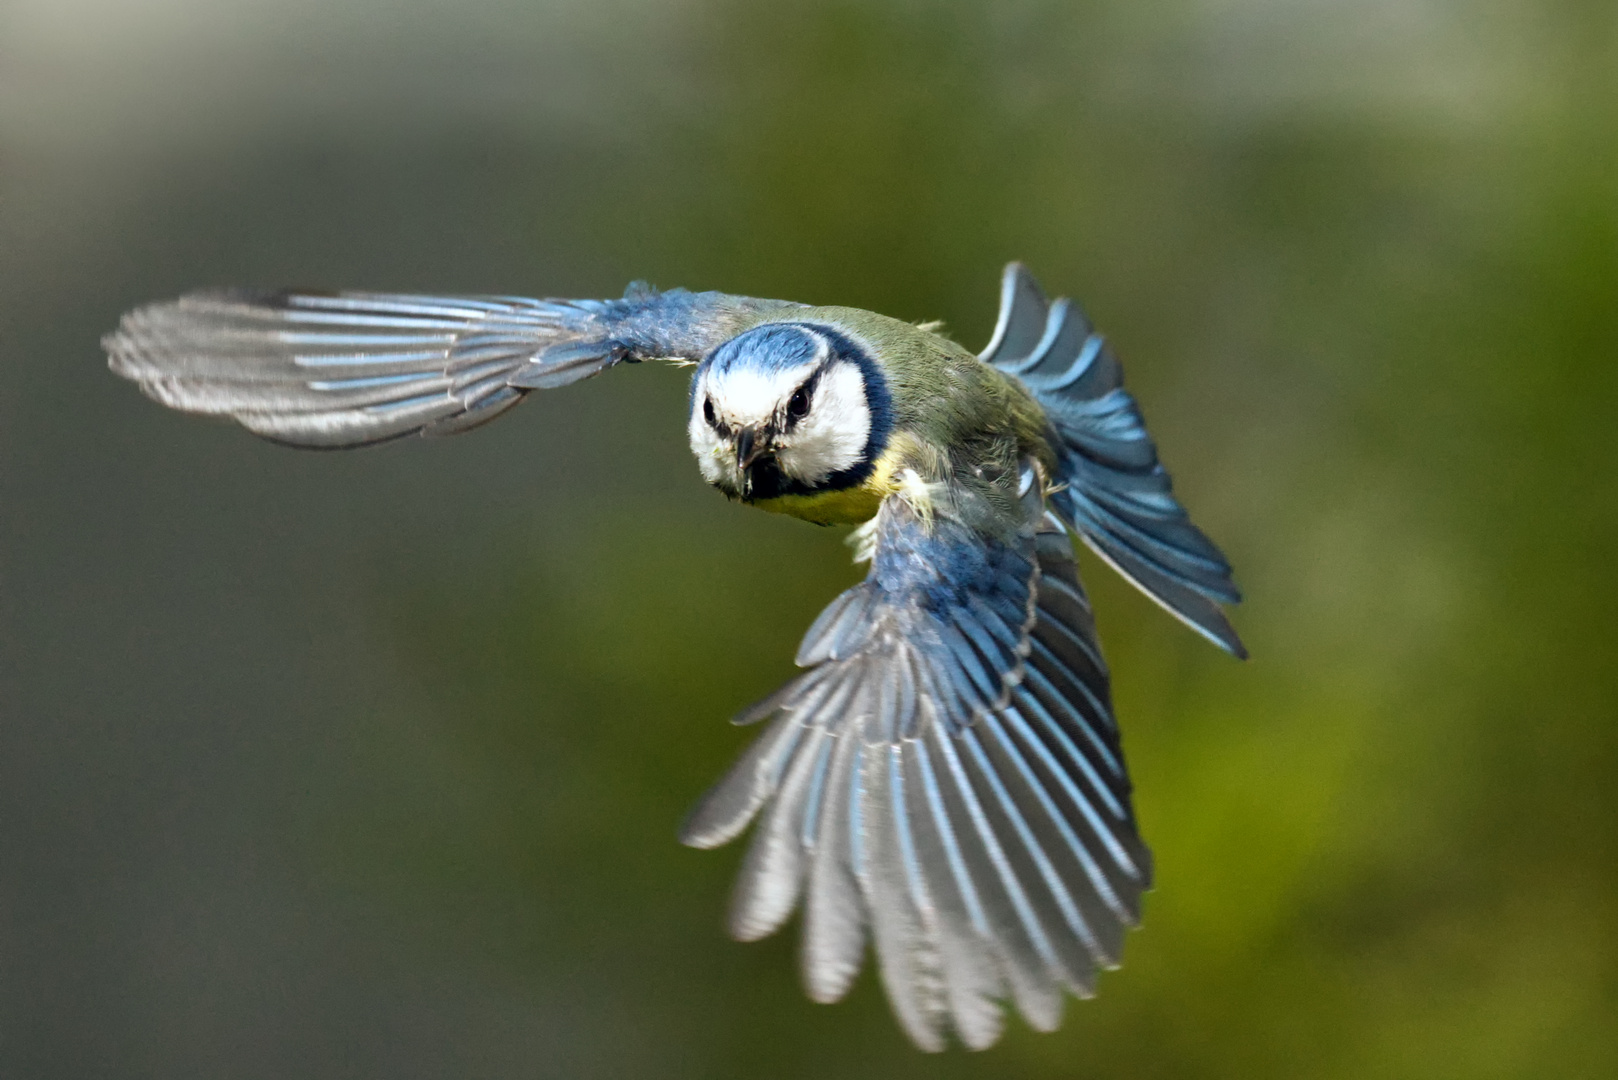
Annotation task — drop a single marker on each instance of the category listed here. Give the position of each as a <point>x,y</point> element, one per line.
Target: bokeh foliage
<point>376,760</point>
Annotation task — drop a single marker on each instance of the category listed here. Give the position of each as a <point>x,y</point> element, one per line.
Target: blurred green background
<point>369,765</point>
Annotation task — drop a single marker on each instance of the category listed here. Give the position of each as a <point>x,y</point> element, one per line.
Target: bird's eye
<point>707,412</point>
<point>798,407</point>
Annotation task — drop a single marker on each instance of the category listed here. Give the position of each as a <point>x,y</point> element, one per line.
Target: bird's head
<point>787,409</point>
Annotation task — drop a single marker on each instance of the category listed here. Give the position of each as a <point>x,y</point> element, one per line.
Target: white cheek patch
<point>713,454</point>
<point>833,436</point>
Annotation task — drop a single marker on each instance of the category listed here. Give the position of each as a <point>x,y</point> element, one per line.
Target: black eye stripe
<point>798,404</point>
<point>721,428</point>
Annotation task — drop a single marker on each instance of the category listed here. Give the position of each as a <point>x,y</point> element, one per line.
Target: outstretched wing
<point>348,369</point>
<point>946,779</point>
<point>1117,495</point>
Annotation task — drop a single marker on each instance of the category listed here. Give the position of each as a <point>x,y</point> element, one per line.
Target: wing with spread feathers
<point>347,369</point>
<point>1113,490</point>
<point>946,781</point>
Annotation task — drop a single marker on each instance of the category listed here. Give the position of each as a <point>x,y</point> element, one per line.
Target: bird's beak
<point>749,448</point>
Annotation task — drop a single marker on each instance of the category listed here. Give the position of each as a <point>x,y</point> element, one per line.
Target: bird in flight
<point>944,780</point>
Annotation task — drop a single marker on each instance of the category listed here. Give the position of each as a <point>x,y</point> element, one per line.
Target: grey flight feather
<point>331,370</point>
<point>946,780</point>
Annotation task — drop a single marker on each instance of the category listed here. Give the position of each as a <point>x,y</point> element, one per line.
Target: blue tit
<point>944,779</point>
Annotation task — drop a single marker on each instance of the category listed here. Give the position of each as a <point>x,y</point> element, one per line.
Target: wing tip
<point>1213,624</point>
<point>1208,619</point>
<point>711,824</point>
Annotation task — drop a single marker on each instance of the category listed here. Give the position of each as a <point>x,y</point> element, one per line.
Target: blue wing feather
<point>1114,493</point>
